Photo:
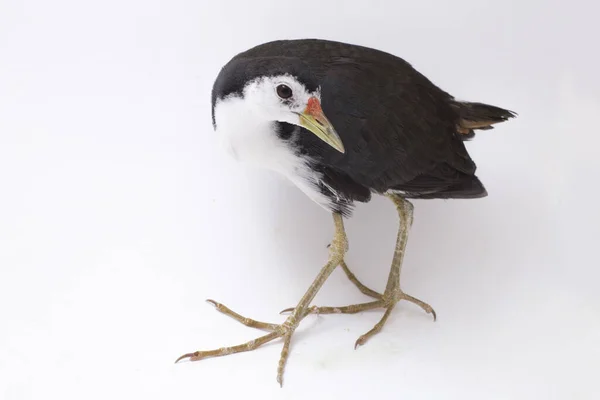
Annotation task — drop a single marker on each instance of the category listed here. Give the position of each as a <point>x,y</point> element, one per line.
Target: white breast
<point>252,140</point>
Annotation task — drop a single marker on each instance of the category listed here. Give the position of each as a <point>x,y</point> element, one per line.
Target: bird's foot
<point>284,331</point>
<point>388,302</point>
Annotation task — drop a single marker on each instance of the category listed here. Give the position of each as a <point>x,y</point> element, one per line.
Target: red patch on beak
<point>313,107</point>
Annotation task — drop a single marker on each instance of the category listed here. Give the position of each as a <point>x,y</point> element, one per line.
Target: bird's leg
<point>338,248</point>
<point>393,293</point>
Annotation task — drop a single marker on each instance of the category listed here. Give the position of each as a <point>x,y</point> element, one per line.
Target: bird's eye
<point>284,91</point>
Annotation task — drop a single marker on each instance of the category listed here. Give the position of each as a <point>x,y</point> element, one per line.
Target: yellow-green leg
<point>337,250</point>
<point>393,293</point>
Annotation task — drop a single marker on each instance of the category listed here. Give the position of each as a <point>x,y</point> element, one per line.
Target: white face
<point>276,99</point>
<point>280,98</point>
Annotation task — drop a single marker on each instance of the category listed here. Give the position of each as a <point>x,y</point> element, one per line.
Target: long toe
<point>350,309</point>
<point>224,351</point>
<point>378,326</point>
<point>265,326</point>
<point>426,307</point>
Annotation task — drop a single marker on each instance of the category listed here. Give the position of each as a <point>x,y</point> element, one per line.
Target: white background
<point>119,213</point>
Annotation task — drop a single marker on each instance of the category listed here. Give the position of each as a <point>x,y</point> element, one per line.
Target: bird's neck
<point>256,141</point>
<point>250,137</point>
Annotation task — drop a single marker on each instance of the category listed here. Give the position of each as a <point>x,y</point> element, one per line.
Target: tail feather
<point>480,116</point>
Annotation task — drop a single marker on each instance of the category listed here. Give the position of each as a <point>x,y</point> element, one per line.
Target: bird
<point>345,122</point>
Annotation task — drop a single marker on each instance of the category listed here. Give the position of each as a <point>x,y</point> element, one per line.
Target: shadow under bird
<point>344,122</point>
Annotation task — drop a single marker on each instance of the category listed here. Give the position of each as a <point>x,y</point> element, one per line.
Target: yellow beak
<point>315,121</point>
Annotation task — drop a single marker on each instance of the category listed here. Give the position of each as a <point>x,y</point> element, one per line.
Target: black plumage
<point>401,132</point>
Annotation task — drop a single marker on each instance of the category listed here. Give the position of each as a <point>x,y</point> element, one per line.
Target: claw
<point>359,342</point>
<point>310,310</point>
<point>212,302</point>
<point>187,355</point>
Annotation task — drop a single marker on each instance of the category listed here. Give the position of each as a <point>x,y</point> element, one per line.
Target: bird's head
<point>277,95</point>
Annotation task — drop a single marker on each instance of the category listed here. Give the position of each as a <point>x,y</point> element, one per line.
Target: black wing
<point>399,129</point>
